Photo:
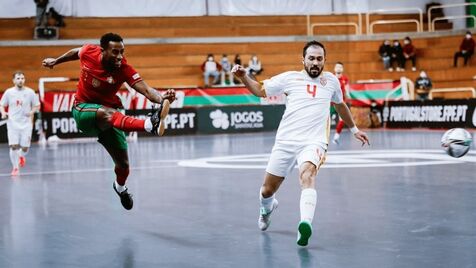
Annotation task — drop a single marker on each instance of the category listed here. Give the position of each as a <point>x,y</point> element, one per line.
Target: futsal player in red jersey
<point>97,108</point>
<point>344,84</point>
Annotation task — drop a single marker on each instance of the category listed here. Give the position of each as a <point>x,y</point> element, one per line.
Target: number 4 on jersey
<point>313,91</point>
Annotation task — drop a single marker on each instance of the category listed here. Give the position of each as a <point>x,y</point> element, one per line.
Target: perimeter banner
<point>431,114</point>
<point>62,101</point>
<point>237,119</point>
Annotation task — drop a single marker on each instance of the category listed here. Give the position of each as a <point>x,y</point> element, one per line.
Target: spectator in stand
<point>41,18</point>
<point>211,68</point>
<point>385,51</point>
<point>226,70</point>
<point>423,86</point>
<point>254,66</point>
<point>466,49</point>
<point>237,60</point>
<point>397,56</point>
<point>409,53</point>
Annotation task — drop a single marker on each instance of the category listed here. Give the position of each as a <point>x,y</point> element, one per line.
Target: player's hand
<point>238,71</point>
<point>49,63</point>
<point>362,137</point>
<point>169,95</point>
<point>4,115</point>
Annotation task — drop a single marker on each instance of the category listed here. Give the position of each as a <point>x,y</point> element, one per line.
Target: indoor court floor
<point>402,202</point>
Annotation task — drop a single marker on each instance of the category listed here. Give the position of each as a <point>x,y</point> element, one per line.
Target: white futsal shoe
<point>265,216</point>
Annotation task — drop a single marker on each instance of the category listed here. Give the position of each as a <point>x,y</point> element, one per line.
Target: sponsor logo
<point>180,121</point>
<point>136,76</point>
<point>437,113</point>
<point>237,120</point>
<point>95,82</point>
<point>219,119</point>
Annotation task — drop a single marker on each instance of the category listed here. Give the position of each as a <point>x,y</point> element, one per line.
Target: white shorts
<point>19,136</point>
<point>284,157</point>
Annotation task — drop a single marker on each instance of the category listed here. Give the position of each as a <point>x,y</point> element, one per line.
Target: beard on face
<point>110,65</point>
<point>314,71</point>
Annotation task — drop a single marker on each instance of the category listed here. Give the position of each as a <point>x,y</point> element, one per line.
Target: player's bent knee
<point>103,116</point>
<point>15,146</point>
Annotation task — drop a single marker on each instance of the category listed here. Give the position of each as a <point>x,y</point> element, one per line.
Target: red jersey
<point>96,85</point>
<point>344,81</point>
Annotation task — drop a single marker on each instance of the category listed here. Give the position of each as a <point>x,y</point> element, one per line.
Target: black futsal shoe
<point>158,116</point>
<point>126,198</point>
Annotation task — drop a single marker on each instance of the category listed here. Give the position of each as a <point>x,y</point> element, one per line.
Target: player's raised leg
<point>109,117</point>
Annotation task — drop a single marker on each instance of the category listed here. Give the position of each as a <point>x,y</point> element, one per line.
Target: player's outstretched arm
<point>3,112</point>
<point>152,94</point>
<point>345,114</point>
<point>253,86</point>
<point>73,54</point>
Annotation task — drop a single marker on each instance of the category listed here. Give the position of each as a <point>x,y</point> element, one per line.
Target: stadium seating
<point>172,65</point>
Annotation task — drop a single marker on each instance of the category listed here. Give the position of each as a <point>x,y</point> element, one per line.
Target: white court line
<point>70,171</point>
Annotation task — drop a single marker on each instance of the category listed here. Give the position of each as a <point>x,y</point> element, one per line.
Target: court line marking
<point>340,159</point>
<point>71,171</point>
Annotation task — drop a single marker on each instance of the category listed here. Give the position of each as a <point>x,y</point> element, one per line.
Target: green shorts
<point>85,116</point>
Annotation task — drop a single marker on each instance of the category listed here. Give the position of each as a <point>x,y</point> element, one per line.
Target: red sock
<point>121,175</point>
<point>340,126</point>
<point>127,123</point>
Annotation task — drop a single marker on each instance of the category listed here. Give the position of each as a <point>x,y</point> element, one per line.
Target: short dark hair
<point>106,38</point>
<point>339,62</point>
<point>17,72</point>
<point>310,44</point>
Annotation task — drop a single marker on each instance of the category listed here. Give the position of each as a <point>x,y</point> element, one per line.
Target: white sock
<point>148,125</point>
<point>14,157</point>
<point>336,136</point>
<point>266,203</point>
<point>119,188</point>
<point>22,153</point>
<point>308,204</point>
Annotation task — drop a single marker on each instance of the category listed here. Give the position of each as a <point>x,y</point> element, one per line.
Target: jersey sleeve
<point>35,100</point>
<point>275,85</point>
<point>337,91</point>
<point>4,100</point>
<point>84,51</point>
<point>131,75</point>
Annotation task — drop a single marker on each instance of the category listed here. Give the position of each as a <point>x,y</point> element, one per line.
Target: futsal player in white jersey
<point>303,134</point>
<point>22,103</point>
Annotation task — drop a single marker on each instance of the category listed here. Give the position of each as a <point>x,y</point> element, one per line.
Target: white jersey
<point>20,104</point>
<point>307,116</point>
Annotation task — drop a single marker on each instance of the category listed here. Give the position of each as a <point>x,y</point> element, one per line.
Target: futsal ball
<point>456,142</point>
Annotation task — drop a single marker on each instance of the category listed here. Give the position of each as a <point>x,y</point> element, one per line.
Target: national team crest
<point>95,82</point>
<point>323,81</point>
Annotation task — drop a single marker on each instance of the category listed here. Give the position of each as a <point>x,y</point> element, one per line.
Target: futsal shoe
<point>157,118</point>
<point>265,216</point>
<point>126,198</point>
<point>22,161</point>
<point>304,233</point>
<point>15,172</point>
